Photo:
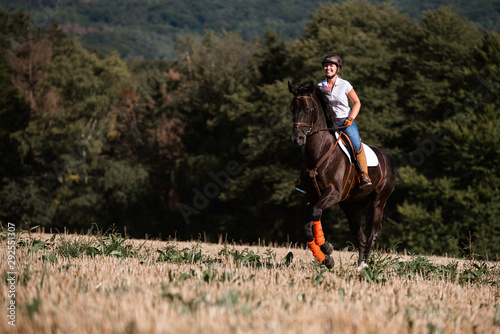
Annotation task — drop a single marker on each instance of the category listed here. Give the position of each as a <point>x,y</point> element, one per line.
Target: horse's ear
<point>310,89</point>
<point>291,88</point>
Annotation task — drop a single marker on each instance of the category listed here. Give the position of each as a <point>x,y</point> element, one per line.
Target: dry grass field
<point>109,284</point>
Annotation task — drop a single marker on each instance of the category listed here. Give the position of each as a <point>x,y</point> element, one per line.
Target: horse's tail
<point>388,220</point>
<point>392,162</point>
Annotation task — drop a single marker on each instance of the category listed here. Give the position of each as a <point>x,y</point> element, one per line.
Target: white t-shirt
<point>338,102</point>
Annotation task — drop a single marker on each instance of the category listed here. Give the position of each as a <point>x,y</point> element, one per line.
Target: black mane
<point>329,117</point>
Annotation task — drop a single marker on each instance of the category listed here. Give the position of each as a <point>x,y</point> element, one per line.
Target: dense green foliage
<point>150,28</point>
<point>201,144</point>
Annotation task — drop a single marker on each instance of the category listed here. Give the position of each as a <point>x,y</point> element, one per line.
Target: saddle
<point>346,146</point>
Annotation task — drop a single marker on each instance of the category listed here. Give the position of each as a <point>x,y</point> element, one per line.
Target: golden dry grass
<point>138,294</point>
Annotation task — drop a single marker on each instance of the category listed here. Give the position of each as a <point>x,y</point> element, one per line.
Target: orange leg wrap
<point>319,236</point>
<point>318,254</point>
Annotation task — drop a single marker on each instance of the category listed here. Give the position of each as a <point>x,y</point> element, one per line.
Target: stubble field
<point>109,284</point>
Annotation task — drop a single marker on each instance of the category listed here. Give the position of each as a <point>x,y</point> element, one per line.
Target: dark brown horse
<point>328,177</point>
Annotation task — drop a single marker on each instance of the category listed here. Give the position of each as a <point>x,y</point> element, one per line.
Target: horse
<point>328,177</point>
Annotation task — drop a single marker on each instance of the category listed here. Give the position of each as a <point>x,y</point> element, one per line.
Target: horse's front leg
<point>313,230</point>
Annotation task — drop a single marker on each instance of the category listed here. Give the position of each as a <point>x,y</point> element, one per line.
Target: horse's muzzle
<point>298,137</point>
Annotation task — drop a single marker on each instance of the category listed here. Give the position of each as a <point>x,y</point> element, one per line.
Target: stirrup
<point>364,181</point>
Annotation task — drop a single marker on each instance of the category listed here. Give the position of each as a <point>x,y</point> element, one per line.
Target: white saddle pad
<point>371,157</point>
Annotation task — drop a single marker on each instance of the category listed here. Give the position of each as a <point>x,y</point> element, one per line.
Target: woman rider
<point>335,92</point>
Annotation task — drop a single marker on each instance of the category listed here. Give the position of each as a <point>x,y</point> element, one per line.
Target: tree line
<point>200,144</point>
<point>139,29</point>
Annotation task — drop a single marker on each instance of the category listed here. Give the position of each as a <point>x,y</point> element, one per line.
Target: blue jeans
<point>352,132</point>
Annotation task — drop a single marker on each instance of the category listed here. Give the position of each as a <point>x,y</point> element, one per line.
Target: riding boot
<point>364,179</point>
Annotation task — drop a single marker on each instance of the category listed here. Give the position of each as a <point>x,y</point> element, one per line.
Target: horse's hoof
<point>361,266</point>
<point>326,248</point>
<point>328,262</point>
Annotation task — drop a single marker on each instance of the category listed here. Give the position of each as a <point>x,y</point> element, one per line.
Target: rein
<point>310,132</point>
<point>314,172</point>
<point>309,126</point>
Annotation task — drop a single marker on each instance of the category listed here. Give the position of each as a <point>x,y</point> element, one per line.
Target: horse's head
<point>305,112</point>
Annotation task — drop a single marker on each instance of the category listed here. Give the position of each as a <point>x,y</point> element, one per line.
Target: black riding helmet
<point>332,59</point>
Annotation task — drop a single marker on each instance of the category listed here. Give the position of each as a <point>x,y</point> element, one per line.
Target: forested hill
<point>149,28</point>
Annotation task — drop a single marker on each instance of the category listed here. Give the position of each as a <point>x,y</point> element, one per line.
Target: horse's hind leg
<point>354,213</point>
<point>373,223</point>
<point>377,204</point>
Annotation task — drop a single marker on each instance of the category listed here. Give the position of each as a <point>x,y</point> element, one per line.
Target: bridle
<point>302,124</point>
<point>310,125</point>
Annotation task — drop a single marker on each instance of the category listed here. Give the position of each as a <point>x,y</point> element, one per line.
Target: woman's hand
<point>348,121</point>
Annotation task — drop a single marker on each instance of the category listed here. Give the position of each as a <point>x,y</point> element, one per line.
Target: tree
<point>213,68</point>
<point>69,177</point>
<point>272,58</point>
<point>14,110</point>
<point>459,198</point>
